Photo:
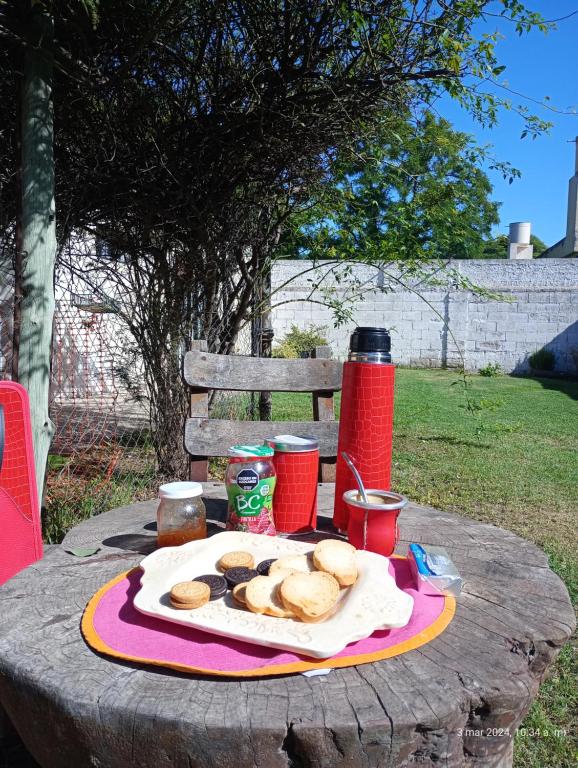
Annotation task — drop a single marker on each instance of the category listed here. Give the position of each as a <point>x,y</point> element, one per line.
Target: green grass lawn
<point>513,462</point>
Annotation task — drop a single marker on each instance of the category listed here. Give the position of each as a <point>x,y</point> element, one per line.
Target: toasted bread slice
<point>337,558</point>
<point>312,596</point>
<point>296,563</point>
<point>261,595</point>
<point>238,593</point>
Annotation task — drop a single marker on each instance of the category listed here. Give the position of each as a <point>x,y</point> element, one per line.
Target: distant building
<point>568,245</point>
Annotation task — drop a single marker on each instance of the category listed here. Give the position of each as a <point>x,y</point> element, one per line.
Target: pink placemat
<point>111,625</point>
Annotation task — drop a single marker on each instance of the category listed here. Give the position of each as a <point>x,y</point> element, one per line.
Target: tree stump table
<point>455,701</point>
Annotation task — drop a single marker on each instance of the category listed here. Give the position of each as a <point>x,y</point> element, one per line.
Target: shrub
<point>298,341</point>
<point>490,370</point>
<point>542,360</point>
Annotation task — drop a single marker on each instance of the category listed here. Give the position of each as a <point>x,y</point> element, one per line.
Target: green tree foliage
<point>539,245</point>
<point>497,247</point>
<point>187,132</point>
<point>413,191</point>
<point>194,128</point>
<point>299,342</point>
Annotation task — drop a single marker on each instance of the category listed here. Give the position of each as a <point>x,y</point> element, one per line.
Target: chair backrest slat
<point>213,437</point>
<point>256,374</point>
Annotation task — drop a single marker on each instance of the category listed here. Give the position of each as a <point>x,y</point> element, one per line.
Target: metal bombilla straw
<point>361,487</point>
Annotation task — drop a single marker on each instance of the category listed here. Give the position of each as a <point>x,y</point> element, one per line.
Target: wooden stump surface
<point>454,702</point>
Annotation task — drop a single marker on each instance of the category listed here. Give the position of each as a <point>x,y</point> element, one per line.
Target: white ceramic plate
<point>373,602</point>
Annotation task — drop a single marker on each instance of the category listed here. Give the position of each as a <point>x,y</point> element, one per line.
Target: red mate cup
<point>372,525</point>
<point>296,463</point>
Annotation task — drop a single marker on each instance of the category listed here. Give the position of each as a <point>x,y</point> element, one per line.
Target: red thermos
<point>366,419</point>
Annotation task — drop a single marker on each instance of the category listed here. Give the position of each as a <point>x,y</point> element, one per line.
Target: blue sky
<point>537,65</point>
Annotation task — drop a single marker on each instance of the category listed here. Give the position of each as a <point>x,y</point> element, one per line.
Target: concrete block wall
<point>537,307</point>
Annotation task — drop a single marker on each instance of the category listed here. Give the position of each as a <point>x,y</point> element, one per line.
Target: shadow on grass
<point>448,439</point>
<point>568,387</point>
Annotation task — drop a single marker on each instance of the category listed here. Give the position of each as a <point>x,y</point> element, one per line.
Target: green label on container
<point>250,496</point>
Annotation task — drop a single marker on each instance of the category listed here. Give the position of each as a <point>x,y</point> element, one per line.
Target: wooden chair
<point>206,438</point>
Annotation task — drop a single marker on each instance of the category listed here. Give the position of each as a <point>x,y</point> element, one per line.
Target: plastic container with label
<point>250,483</point>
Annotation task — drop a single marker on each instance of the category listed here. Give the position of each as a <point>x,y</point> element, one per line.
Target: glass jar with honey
<point>181,515</point>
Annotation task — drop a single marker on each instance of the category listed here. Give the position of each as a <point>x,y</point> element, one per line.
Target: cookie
<point>189,594</point>
<point>263,567</point>
<point>338,559</point>
<point>234,576</point>
<point>216,584</point>
<point>239,595</point>
<point>297,563</point>
<point>236,560</point>
<point>262,596</point>
<point>311,596</point>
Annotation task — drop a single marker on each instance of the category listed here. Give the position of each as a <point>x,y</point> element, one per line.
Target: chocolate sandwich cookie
<point>263,567</point>
<point>216,584</point>
<point>239,575</point>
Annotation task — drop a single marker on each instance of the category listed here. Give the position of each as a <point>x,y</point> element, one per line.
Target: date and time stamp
<point>521,732</point>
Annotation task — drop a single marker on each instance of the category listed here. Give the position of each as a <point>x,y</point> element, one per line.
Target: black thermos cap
<point>365,339</point>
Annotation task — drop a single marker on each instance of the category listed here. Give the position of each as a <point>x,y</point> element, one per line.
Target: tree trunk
<point>169,403</point>
<point>261,333</point>
<point>168,414</point>
<point>266,341</point>
<point>38,232</point>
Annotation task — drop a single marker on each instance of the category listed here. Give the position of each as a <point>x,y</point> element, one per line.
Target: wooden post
<point>262,331</point>
<point>265,399</point>
<point>38,232</point>
<point>199,409</point>
<point>324,410</point>
<point>266,335</point>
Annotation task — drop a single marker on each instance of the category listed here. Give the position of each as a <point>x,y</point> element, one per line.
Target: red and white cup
<point>296,463</point>
<point>373,524</point>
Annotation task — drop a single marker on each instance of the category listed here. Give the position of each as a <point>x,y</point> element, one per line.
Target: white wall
<point>540,308</point>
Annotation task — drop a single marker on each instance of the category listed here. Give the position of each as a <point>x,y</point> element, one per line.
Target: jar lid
<point>250,451</point>
<point>185,490</point>
<point>293,443</point>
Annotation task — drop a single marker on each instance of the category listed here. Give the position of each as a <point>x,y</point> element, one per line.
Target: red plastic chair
<point>20,531</point>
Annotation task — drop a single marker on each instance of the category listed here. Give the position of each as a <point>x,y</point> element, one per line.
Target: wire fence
<point>102,454</point>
